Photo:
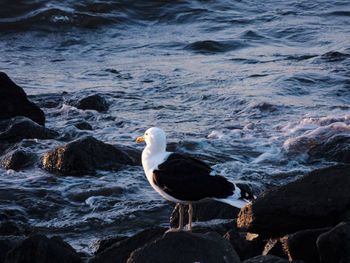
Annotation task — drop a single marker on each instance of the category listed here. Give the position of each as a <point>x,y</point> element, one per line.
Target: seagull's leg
<point>190,212</point>
<point>181,216</point>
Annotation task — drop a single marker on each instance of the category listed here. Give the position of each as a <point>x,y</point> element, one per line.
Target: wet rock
<point>40,249</point>
<point>20,128</point>
<point>315,200</point>
<point>6,244</point>
<point>14,102</point>
<point>334,245</point>
<point>93,102</point>
<point>103,244</point>
<point>274,247</point>
<point>269,259</point>
<point>83,156</point>
<point>302,245</point>
<point>120,252</point>
<point>245,248</point>
<point>336,148</point>
<point>17,160</point>
<point>83,125</point>
<point>205,211</point>
<point>133,153</point>
<point>185,246</point>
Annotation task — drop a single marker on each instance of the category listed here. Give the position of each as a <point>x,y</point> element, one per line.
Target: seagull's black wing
<point>189,179</point>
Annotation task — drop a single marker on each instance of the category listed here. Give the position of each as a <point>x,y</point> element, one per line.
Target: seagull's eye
<point>146,133</point>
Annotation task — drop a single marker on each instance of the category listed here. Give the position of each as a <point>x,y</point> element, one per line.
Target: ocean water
<point>248,86</point>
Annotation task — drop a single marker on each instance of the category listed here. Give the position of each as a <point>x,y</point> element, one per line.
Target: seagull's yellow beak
<point>140,139</point>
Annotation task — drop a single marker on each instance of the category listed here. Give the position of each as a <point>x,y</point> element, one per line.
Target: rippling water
<point>240,84</point>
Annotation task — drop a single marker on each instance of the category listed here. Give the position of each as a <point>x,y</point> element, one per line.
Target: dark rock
<point>17,159</point>
<point>336,148</point>
<point>185,247</point>
<point>133,153</point>
<point>302,245</point>
<point>14,102</point>
<point>275,247</point>
<point>93,102</point>
<point>334,245</point>
<point>245,248</point>
<point>83,156</point>
<point>103,244</point>
<point>269,259</point>
<point>120,252</point>
<point>6,244</point>
<point>313,201</point>
<point>205,211</point>
<point>83,125</point>
<point>20,128</point>
<point>40,249</point>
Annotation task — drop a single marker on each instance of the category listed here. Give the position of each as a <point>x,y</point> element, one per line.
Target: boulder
<point>205,211</point>
<point>85,156</point>
<point>120,251</point>
<point>245,248</point>
<point>83,125</point>
<point>182,246</point>
<point>6,244</point>
<point>14,102</point>
<point>105,243</point>
<point>20,128</point>
<point>336,148</point>
<point>17,160</point>
<point>334,245</point>
<point>302,245</point>
<point>315,200</point>
<point>93,102</point>
<point>40,249</point>
<point>269,259</point>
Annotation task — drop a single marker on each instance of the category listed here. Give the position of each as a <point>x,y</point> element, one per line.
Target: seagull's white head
<point>155,139</point>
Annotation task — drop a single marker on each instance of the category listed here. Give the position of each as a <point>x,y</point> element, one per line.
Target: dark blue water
<point>248,86</point>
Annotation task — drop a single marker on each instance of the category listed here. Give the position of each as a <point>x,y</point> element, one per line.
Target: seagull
<point>183,179</point>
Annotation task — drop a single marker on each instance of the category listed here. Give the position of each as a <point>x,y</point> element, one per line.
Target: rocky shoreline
<point>306,220</point>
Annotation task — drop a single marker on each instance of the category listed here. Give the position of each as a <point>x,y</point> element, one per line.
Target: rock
<point>133,153</point>
<point>274,247</point>
<point>83,125</point>
<point>334,245</point>
<point>6,244</point>
<point>20,128</point>
<point>185,246</point>
<point>17,160</point>
<point>120,252</point>
<point>205,211</point>
<point>14,102</point>
<point>105,243</point>
<point>83,156</point>
<point>244,248</point>
<point>336,148</point>
<point>93,102</point>
<point>269,259</point>
<point>40,249</point>
<point>313,201</point>
<point>302,245</point>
